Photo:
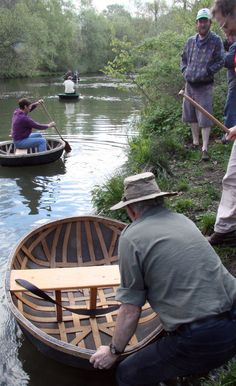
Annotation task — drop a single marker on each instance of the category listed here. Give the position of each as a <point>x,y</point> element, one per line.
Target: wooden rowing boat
<point>74,260</point>
<point>68,96</point>
<point>10,156</point>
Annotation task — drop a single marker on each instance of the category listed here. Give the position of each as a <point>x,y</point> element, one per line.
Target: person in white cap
<point>202,57</point>
<point>165,260</point>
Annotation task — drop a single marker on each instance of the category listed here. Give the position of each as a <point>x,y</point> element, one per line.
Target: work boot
<point>205,156</point>
<point>228,238</point>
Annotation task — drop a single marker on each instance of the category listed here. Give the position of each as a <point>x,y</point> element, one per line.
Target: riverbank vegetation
<point>144,48</point>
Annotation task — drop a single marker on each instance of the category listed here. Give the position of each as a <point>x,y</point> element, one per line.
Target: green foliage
<point>206,223</point>
<point>153,153</point>
<point>183,204</point>
<point>162,117</point>
<point>32,37</point>
<point>182,185</point>
<point>224,377</point>
<point>123,64</point>
<point>94,41</point>
<point>155,61</point>
<point>140,153</point>
<point>16,55</point>
<point>107,195</point>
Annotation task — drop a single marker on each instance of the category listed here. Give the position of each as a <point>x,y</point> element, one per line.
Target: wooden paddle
<point>208,115</point>
<point>67,145</point>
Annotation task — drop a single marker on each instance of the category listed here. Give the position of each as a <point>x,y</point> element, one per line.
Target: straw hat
<point>140,187</point>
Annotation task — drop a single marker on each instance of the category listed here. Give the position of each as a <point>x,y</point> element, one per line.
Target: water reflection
<point>69,108</point>
<point>33,182</point>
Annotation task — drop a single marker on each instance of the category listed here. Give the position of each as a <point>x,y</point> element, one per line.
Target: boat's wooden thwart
<point>10,156</point>
<point>74,260</point>
<point>59,279</point>
<point>22,151</point>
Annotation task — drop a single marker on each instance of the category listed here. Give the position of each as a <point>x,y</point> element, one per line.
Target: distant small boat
<point>10,156</point>
<point>74,260</point>
<point>68,96</point>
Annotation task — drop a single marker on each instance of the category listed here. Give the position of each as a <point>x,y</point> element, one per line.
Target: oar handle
<point>200,108</point>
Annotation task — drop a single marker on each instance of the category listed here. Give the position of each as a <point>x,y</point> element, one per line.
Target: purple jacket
<point>22,125</point>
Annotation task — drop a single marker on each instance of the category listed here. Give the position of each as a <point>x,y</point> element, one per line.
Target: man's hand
<point>103,358</point>
<point>40,102</point>
<point>52,124</point>
<point>232,134</point>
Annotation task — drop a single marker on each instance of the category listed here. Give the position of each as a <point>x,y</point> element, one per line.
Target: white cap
<point>204,13</point>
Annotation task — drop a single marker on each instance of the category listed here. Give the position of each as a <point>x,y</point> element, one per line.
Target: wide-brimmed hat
<point>204,13</point>
<point>140,187</point>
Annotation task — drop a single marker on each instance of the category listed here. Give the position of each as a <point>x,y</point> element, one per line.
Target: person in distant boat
<point>69,86</point>
<point>67,74</point>
<point>165,260</point>
<point>76,77</point>
<point>22,127</point>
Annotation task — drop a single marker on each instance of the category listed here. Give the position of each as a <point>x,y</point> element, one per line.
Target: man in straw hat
<point>165,260</point>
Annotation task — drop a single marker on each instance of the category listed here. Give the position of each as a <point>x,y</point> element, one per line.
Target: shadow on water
<point>42,369</point>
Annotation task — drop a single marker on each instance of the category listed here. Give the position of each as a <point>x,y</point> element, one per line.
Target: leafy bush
<point>107,195</point>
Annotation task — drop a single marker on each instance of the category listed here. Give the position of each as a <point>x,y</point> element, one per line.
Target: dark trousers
<point>194,349</point>
<point>230,108</point>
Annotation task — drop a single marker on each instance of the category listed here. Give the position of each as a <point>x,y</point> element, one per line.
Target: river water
<point>97,127</point>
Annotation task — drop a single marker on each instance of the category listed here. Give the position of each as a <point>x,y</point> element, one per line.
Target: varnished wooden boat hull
<point>9,158</point>
<point>68,96</point>
<point>66,243</point>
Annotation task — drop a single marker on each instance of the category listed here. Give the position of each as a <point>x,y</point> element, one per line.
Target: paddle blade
<point>67,147</point>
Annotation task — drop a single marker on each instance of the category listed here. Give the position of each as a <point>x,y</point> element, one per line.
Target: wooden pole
<point>208,115</point>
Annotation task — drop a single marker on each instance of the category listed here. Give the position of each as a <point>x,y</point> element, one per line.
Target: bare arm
<point>35,104</point>
<point>126,324</point>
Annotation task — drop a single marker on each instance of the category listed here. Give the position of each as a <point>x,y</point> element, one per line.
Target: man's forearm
<point>126,324</point>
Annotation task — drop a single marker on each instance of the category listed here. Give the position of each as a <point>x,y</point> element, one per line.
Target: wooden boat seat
<point>59,279</point>
<point>21,151</point>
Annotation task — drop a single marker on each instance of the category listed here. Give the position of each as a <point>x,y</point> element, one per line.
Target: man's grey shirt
<point>165,260</point>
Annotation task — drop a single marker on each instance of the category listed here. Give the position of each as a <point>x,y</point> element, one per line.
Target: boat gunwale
<point>13,156</point>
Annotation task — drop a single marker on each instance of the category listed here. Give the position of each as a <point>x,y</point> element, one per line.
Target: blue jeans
<point>33,140</point>
<point>195,349</point>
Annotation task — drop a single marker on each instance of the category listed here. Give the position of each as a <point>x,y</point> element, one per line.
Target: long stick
<point>67,145</point>
<point>200,108</point>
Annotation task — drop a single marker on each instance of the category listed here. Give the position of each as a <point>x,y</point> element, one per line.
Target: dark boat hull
<point>9,158</point>
<point>55,354</point>
<point>80,241</point>
<point>68,96</point>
